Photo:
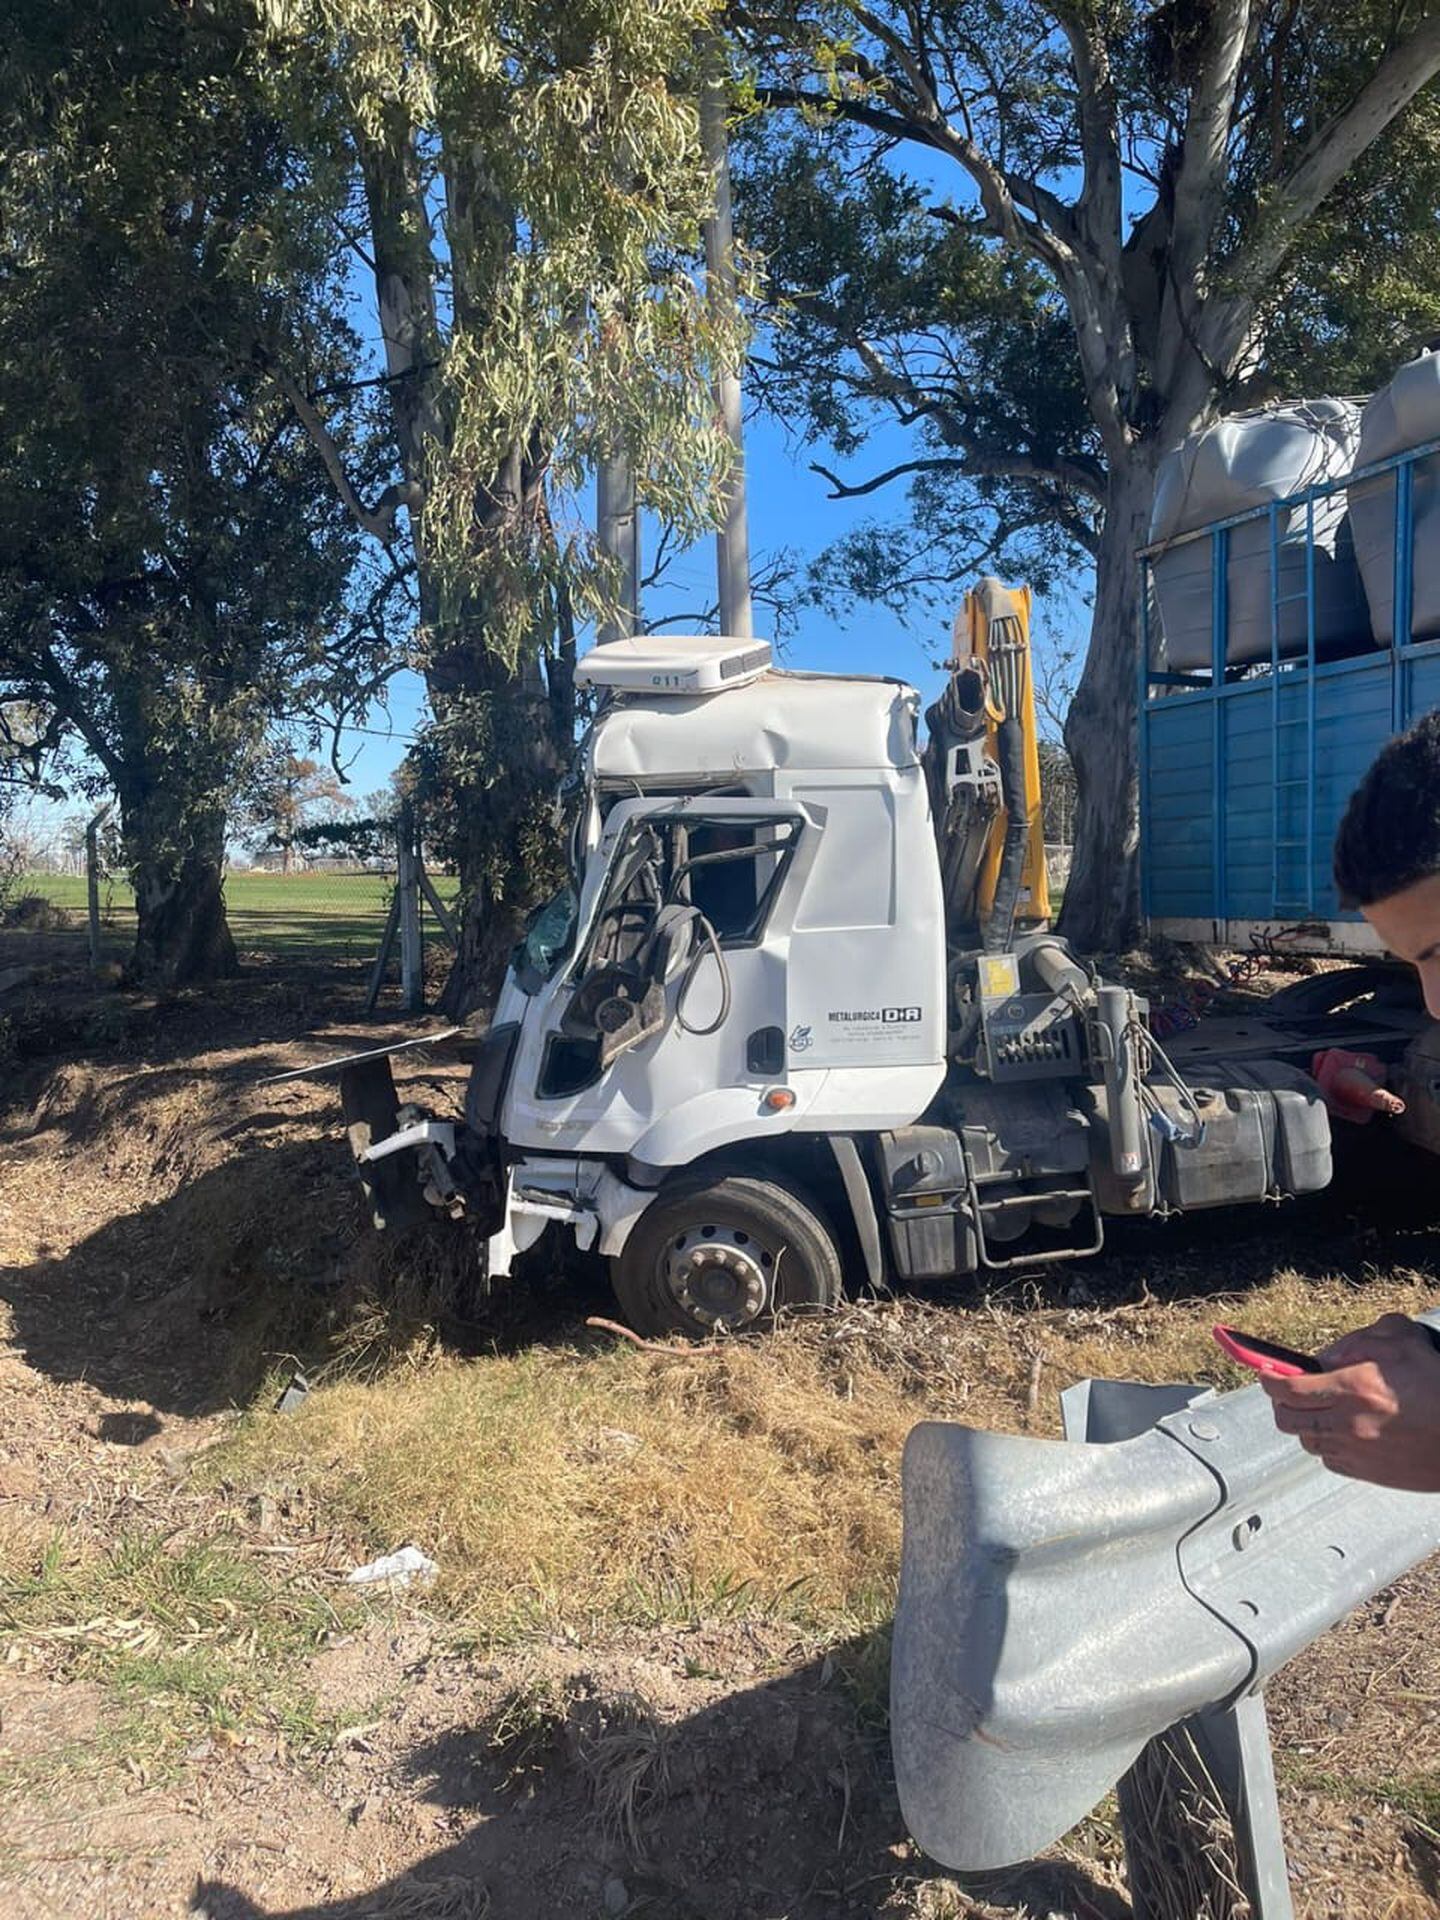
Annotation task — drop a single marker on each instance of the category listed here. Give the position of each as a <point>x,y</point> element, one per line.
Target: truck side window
<point>727,892</point>
<point>546,941</point>
<point>734,892</point>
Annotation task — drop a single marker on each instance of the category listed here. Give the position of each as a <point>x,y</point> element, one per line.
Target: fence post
<point>412,958</point>
<point>92,881</point>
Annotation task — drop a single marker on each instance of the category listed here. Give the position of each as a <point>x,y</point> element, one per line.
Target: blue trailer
<point>1245,770</point>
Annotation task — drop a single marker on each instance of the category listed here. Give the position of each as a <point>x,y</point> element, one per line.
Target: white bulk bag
<point>1245,461</point>
<point>1403,414</point>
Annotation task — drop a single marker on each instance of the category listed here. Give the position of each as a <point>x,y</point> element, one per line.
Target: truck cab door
<point>677,991</point>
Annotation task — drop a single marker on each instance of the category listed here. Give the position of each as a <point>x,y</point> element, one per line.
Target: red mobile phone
<point>1265,1356</point>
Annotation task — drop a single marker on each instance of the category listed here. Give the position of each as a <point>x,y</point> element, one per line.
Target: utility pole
<point>733,541</point>
<point>619,531</point>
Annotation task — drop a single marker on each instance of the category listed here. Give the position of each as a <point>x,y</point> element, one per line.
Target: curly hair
<point>1390,835</point>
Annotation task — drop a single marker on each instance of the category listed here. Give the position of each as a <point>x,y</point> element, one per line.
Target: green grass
<point>187,1640</point>
<point>1416,1795</point>
<point>337,916</point>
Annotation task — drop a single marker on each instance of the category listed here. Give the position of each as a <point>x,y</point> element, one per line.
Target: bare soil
<point>176,1237</point>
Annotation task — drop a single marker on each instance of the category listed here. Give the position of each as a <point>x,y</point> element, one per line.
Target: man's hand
<point>1374,1414</point>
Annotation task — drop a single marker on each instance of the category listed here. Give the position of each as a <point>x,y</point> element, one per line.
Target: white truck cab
<point>743,1052</point>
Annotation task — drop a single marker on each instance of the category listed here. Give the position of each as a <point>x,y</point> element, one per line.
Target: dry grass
<point>179,1230</point>
<point>562,1484</point>
<point>1183,1854</point>
<point>555,1486</point>
<point>622,1749</point>
<point>618,1742</point>
<point>448,1897</point>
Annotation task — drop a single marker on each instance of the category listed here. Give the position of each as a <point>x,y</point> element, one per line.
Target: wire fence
<point>309,913</point>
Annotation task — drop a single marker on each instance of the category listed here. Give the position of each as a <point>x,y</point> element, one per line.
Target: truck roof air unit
<point>675,665</point>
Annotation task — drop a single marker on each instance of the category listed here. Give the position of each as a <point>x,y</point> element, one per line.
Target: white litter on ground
<point>397,1569</point>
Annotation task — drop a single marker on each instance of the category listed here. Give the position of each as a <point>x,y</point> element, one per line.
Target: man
<point>1374,1414</point>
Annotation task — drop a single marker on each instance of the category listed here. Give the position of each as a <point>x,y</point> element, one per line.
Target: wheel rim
<point>719,1277</point>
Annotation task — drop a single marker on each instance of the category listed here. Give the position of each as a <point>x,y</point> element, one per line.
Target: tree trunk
<point>506,848</point>
<point>182,936</point>
<point>1101,912</point>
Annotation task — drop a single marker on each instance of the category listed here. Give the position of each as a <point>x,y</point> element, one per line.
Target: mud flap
<point>370,1104</point>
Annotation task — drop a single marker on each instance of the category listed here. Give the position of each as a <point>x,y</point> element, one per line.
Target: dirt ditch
<point>610,1703</point>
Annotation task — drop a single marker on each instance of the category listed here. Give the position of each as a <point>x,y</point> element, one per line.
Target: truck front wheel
<point>724,1255</point>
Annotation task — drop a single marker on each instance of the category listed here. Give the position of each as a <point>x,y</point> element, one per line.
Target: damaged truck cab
<point>785,1026</point>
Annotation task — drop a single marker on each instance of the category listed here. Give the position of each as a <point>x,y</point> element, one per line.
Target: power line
<point>376,380</point>
<point>378,733</point>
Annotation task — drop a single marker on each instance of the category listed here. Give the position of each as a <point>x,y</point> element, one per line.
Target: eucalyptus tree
<point>1049,238</point>
<point>173,572</point>
<point>528,192</point>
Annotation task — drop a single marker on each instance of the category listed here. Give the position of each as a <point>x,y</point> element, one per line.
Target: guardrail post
<point>1198,1810</point>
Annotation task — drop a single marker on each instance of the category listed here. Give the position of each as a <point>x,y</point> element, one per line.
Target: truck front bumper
<point>599,1207</point>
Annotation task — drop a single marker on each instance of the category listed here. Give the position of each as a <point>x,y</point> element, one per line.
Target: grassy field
<point>338,916</point>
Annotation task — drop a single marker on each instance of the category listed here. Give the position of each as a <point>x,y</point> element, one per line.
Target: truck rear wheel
<point>724,1255</point>
<point>1382,981</point>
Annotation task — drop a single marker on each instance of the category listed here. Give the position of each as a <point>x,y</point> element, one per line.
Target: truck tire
<point>724,1254</point>
<point>1326,993</point>
<point>370,1103</point>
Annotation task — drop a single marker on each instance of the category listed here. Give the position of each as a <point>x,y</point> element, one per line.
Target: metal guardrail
<point>1063,1603</point>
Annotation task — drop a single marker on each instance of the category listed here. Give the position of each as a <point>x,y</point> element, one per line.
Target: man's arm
<point>1374,1414</point>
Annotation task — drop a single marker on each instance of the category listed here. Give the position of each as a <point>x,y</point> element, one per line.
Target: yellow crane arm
<point>996,629</point>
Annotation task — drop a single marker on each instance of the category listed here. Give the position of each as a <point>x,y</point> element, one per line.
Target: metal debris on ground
<point>295,1394</point>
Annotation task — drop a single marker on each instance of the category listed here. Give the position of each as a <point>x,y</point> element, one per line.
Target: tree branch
<point>1104,321</point>
<point>72,707</point>
<point>975,465</point>
<point>894,125</point>
<point>1199,185</point>
<point>1100,204</point>
<point>1018,211</point>
<point>1329,155</point>
<point>1079,475</point>
<point>378,521</point>
<point>1027,216</point>
<point>1049,232</point>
